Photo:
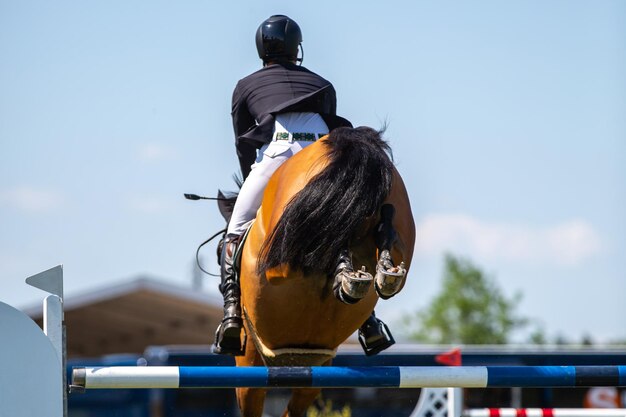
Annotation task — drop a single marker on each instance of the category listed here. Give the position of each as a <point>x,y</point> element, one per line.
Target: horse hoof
<point>354,285</point>
<point>389,280</point>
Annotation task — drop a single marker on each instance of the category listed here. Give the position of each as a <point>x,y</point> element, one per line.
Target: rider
<point>277,110</point>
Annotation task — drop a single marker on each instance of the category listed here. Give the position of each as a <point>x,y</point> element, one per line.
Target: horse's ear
<point>225,204</point>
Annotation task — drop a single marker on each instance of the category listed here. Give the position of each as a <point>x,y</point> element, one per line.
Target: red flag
<point>450,358</point>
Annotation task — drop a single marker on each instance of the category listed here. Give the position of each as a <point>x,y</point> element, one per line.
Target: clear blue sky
<point>507,120</point>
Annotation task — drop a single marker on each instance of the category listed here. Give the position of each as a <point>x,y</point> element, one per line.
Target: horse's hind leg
<point>250,400</point>
<point>389,278</point>
<point>350,286</point>
<point>301,400</point>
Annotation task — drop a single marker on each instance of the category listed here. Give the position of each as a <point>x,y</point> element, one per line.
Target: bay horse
<point>337,203</point>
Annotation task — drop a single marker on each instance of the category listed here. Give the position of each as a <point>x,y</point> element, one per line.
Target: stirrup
<point>378,339</point>
<point>228,337</point>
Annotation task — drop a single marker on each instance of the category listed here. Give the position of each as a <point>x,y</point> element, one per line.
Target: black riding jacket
<point>275,89</point>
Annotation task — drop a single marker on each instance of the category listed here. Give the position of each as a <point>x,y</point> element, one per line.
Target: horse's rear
<point>322,202</point>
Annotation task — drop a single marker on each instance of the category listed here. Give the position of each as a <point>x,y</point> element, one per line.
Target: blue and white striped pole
<point>348,377</point>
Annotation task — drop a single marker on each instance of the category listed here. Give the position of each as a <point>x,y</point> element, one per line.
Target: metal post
<point>51,281</point>
<point>54,328</point>
<point>455,402</point>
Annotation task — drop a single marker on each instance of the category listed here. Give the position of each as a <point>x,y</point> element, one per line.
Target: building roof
<point>128,317</point>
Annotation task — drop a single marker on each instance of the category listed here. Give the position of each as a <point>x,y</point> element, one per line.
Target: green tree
<point>538,337</point>
<point>470,309</point>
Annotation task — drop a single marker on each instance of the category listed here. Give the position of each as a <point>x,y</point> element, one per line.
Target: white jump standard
<point>348,377</point>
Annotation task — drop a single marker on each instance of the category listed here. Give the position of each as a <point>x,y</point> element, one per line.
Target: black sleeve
<point>332,101</point>
<point>247,154</point>
<point>242,119</point>
<point>242,122</point>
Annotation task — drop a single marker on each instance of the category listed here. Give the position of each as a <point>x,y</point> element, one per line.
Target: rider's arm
<point>242,122</point>
<point>246,154</point>
<point>332,101</point>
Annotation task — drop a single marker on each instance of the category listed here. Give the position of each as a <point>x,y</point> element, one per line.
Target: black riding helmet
<point>278,39</point>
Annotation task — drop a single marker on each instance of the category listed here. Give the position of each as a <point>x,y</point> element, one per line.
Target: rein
<point>221,232</point>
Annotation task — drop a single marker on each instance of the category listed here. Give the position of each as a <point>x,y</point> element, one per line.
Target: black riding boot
<point>228,339</point>
<point>374,336</point>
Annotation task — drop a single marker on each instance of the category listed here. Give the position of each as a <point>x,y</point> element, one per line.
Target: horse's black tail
<point>321,219</point>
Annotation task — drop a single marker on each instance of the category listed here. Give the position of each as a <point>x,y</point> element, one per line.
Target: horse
<point>336,204</point>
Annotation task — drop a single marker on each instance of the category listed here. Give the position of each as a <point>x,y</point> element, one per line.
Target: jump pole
<point>348,377</point>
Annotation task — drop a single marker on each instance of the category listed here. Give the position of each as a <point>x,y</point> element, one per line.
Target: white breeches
<point>270,157</point>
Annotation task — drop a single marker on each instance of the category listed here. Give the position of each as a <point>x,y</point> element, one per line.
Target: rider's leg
<point>228,334</point>
<point>271,156</point>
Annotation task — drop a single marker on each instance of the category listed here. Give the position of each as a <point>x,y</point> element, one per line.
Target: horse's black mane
<point>321,219</point>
